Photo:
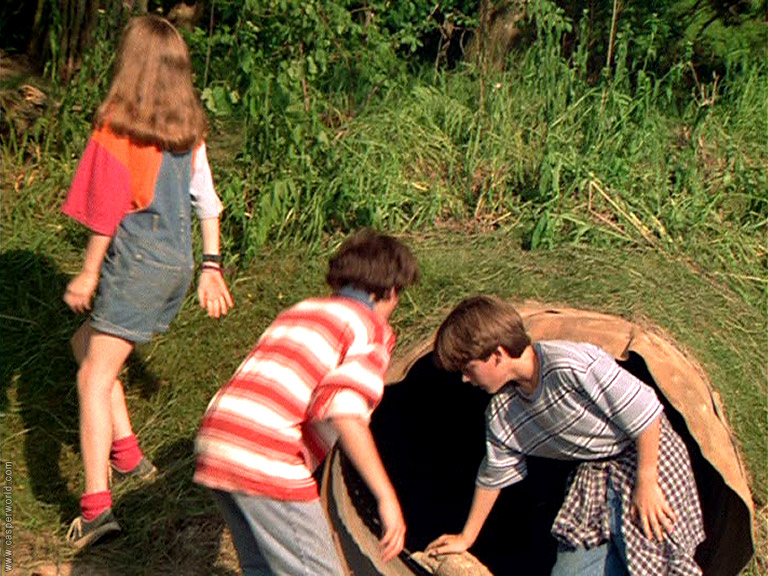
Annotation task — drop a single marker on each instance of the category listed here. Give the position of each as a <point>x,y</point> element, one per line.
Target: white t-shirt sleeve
<point>501,466</point>
<point>204,198</point>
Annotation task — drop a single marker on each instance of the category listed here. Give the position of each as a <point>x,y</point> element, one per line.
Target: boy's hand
<point>482,502</point>
<point>213,293</point>
<point>393,529</point>
<point>651,509</point>
<point>357,441</point>
<point>448,544</point>
<point>80,291</point>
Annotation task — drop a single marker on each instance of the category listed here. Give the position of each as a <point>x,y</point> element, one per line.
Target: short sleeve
<point>204,198</point>
<point>501,466</point>
<point>100,194</point>
<point>354,387</point>
<point>624,399</point>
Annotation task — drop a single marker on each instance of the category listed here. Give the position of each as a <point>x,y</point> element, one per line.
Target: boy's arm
<point>482,503</point>
<point>358,444</point>
<point>648,503</point>
<point>212,290</point>
<point>80,289</point>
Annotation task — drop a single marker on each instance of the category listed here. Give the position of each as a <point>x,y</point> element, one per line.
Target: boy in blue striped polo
<point>632,506</point>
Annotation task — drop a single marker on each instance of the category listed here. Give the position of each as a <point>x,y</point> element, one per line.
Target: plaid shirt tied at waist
<point>584,518</point>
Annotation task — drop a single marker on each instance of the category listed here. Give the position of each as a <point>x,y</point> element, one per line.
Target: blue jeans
<point>279,538</point>
<point>608,559</point>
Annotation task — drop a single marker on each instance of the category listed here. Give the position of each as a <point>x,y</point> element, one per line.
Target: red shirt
<point>116,176</point>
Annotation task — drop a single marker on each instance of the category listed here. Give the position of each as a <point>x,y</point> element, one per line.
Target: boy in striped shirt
<point>315,375</point>
<point>632,507</point>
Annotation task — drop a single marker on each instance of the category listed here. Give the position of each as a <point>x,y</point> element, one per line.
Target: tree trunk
<point>61,32</point>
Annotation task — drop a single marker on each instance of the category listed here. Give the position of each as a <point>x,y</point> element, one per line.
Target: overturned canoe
<point>430,432</point>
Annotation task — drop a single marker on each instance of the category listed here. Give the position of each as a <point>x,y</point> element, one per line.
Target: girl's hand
<point>213,293</point>
<point>447,544</point>
<point>393,529</point>
<point>80,291</point>
<point>651,510</point>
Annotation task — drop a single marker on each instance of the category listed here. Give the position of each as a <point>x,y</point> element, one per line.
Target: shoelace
<point>76,529</point>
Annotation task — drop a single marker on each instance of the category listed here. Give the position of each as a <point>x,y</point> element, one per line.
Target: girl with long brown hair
<point>145,168</point>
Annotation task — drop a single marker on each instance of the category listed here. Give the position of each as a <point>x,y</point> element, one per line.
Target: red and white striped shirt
<point>268,428</point>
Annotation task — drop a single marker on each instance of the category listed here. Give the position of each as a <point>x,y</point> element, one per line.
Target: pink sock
<point>125,453</point>
<point>93,504</point>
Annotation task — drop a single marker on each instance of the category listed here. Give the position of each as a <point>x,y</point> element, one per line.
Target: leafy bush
<point>321,123</point>
<point>712,34</point>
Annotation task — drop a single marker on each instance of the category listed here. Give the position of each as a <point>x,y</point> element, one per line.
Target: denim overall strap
<point>165,225</point>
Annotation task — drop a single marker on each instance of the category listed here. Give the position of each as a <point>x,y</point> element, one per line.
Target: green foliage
<point>336,135</point>
<point>328,116</point>
<point>327,127</point>
<point>296,73</point>
<point>710,33</point>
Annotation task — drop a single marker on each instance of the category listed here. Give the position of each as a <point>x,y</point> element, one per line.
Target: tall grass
<point>541,148</point>
<point>668,161</point>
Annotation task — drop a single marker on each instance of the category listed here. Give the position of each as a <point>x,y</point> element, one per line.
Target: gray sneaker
<point>83,533</point>
<point>144,471</point>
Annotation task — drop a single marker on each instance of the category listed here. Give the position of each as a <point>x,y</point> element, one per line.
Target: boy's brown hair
<point>475,328</point>
<point>151,99</point>
<point>374,262</point>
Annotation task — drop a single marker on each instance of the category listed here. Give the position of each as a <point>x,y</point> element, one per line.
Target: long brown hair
<point>151,98</point>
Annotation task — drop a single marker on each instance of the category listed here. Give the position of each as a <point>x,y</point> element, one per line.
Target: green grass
<point>633,164</point>
<point>632,195</point>
<point>170,381</point>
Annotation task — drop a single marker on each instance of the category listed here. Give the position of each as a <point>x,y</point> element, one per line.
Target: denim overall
<point>149,264</point>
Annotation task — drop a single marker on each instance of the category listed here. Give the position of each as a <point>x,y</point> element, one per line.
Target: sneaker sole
<point>116,477</point>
